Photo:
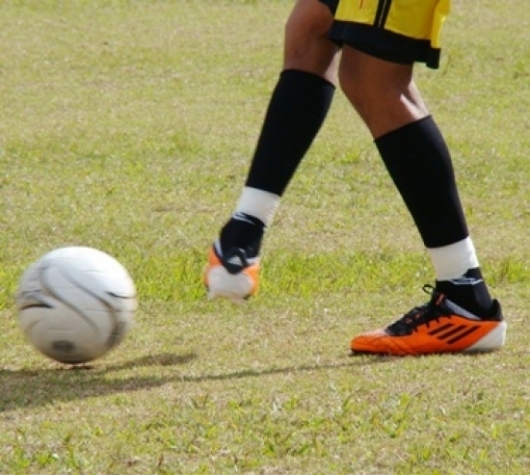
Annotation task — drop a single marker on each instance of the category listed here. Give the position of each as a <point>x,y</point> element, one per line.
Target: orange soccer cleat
<point>439,326</point>
<point>233,275</point>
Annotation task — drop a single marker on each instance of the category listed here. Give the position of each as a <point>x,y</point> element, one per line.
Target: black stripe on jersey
<point>383,8</point>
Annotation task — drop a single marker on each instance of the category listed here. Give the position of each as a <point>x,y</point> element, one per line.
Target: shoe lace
<point>421,315</point>
<point>235,260</point>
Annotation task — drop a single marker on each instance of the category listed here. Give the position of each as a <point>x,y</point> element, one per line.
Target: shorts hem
<point>385,44</point>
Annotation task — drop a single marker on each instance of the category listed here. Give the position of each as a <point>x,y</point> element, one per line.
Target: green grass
<point>128,126</point>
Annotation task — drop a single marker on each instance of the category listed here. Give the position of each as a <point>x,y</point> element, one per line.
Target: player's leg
<point>377,79</point>
<point>296,111</point>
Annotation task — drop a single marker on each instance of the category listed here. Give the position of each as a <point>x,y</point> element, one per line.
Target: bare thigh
<point>307,47</point>
<point>383,93</point>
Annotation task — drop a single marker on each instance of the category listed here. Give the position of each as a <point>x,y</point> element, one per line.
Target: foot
<point>439,326</point>
<point>232,275</point>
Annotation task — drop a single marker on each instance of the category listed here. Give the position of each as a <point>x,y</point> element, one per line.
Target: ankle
<point>242,231</point>
<point>468,291</point>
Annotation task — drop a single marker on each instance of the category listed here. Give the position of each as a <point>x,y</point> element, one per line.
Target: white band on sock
<point>454,260</point>
<point>258,203</point>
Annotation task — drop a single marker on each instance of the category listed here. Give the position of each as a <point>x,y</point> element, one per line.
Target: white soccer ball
<point>75,304</point>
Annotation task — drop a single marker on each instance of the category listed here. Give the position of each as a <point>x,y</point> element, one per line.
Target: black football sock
<point>242,231</point>
<point>297,108</point>
<point>469,291</point>
<point>419,163</point>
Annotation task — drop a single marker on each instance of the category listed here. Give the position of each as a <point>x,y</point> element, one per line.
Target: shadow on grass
<point>28,388</point>
<point>254,373</point>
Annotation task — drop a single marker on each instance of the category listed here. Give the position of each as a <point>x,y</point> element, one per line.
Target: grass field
<point>128,126</point>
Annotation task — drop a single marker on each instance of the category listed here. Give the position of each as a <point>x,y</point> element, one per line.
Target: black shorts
<point>401,31</point>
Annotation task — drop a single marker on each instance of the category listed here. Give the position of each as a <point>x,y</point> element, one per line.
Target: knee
<point>357,88</point>
<point>307,47</point>
<point>368,88</point>
<point>384,96</point>
<point>369,82</point>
